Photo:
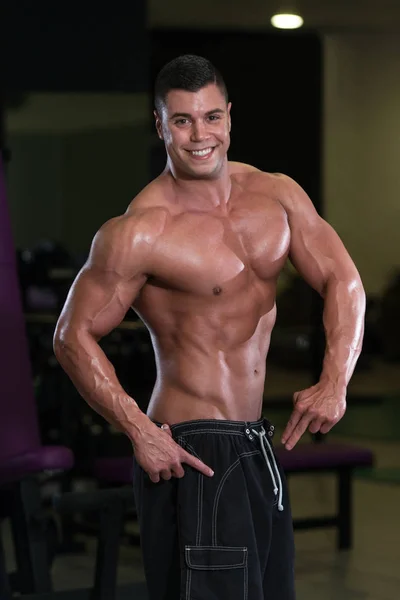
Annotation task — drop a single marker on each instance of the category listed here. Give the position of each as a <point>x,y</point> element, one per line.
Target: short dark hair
<point>187,72</point>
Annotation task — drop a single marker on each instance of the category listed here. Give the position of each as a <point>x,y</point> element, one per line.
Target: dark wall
<point>274,83</point>
<point>62,47</point>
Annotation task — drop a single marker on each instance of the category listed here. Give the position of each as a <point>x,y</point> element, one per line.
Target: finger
<point>197,464</point>
<point>166,428</point>
<point>294,419</point>
<point>326,427</point>
<point>154,477</point>
<point>178,472</point>
<point>292,424</point>
<point>315,425</point>
<point>298,432</point>
<point>166,474</point>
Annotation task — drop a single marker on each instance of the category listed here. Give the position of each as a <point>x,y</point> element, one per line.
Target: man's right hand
<point>161,457</point>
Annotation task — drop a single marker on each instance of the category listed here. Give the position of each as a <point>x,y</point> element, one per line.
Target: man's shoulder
<point>147,212</point>
<point>290,195</point>
<point>139,227</point>
<point>270,181</point>
<point>238,168</point>
<point>268,185</point>
<point>126,241</point>
<point>137,223</point>
<point>151,204</point>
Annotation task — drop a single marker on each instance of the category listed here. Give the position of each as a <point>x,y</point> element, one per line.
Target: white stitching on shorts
<point>218,431</point>
<point>219,491</point>
<point>188,583</point>
<point>218,421</point>
<point>222,566</point>
<point>199,496</point>
<point>200,508</point>
<point>245,578</point>
<point>233,548</point>
<point>243,564</point>
<point>192,450</point>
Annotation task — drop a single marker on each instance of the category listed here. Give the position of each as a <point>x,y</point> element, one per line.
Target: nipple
<point>216,291</point>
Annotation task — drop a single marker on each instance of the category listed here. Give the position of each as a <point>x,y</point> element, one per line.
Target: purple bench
<point>22,457</point>
<point>329,457</point>
<point>24,463</point>
<point>340,459</point>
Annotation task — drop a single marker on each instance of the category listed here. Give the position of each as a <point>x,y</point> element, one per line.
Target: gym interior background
<point>320,104</point>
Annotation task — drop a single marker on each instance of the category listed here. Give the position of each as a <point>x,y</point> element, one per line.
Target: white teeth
<point>201,152</point>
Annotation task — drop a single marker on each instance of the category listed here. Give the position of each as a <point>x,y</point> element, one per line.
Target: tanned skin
<point>197,255</point>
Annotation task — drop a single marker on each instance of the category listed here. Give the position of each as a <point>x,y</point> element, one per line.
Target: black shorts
<point>228,537</point>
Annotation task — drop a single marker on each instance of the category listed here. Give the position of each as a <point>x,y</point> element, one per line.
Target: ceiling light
<point>287,21</point>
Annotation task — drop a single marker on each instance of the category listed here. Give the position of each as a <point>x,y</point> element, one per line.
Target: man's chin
<point>203,171</point>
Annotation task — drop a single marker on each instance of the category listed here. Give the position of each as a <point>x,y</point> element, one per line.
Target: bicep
<point>99,300</point>
<point>317,252</point>
<point>107,286</point>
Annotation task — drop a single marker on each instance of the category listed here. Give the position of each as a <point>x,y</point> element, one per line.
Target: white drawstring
<point>270,468</point>
<point>262,437</point>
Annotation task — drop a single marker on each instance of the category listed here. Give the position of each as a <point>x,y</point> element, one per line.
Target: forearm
<point>94,377</point>
<point>344,312</point>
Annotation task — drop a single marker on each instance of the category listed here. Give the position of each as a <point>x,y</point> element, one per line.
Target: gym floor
<point>370,571</point>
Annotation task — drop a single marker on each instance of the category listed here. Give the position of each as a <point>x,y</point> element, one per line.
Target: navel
<point>217,291</point>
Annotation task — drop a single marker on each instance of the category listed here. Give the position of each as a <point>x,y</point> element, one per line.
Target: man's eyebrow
<point>189,116</point>
<point>178,114</point>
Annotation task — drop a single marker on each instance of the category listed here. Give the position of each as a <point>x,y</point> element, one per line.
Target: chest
<point>206,253</point>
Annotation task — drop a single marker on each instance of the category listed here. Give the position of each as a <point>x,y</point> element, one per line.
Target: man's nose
<point>198,131</point>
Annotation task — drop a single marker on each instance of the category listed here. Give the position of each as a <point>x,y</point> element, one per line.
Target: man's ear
<point>229,115</point>
<point>158,124</point>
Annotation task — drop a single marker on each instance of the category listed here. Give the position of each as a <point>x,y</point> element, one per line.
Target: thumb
<point>166,428</point>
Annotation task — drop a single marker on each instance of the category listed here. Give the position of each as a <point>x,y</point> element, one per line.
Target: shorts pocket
<point>215,572</point>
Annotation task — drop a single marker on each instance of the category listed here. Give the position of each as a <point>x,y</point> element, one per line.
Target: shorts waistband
<point>219,426</point>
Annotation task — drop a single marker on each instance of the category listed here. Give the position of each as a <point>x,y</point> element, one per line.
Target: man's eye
<point>181,122</point>
<point>214,117</point>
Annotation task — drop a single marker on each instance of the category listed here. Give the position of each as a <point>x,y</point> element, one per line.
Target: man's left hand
<point>317,408</point>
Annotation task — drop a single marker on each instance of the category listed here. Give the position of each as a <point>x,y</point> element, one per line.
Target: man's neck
<point>205,194</point>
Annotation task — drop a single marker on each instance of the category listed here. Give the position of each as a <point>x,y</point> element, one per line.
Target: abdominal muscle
<point>208,372</point>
